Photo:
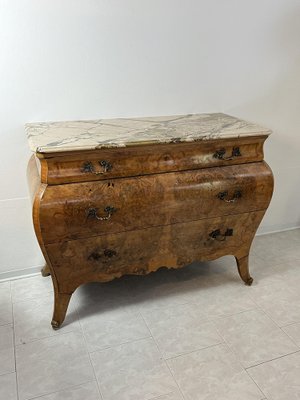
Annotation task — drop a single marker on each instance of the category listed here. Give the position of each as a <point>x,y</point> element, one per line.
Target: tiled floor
<point>192,334</point>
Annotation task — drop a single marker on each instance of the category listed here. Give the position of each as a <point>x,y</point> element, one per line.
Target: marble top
<point>48,137</point>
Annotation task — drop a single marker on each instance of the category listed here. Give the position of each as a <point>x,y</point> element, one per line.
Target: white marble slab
<point>49,137</point>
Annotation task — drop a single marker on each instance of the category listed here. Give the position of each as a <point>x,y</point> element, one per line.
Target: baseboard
<point>274,230</point>
<point>20,273</point>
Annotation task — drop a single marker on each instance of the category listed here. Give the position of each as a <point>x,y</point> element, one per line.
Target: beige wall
<point>85,59</point>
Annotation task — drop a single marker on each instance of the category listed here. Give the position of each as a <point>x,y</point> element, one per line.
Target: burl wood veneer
<point>128,196</point>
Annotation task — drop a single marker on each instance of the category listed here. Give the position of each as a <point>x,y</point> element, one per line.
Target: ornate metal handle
<point>220,154</point>
<point>89,167</point>
<point>93,213</point>
<point>217,235</point>
<point>236,195</point>
<point>95,255</point>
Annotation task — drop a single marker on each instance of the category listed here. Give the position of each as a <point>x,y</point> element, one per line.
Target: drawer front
<point>97,208</point>
<point>139,252</point>
<point>143,160</point>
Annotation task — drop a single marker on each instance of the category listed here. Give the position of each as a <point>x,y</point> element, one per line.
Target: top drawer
<point>102,164</point>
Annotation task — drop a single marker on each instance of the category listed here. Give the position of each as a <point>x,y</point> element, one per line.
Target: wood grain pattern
<point>154,200</point>
<point>140,252</point>
<point>162,218</point>
<point>148,159</point>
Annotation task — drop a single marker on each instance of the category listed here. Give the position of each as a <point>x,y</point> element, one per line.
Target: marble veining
<point>47,137</point>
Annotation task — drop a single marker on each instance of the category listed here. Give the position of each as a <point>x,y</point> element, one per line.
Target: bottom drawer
<point>139,252</point>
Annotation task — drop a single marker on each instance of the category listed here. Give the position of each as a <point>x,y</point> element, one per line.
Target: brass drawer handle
<point>95,255</point>
<point>93,213</point>
<point>236,195</point>
<point>217,235</point>
<point>89,167</point>
<point>220,154</point>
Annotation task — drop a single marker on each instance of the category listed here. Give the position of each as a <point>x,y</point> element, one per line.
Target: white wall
<point>80,59</point>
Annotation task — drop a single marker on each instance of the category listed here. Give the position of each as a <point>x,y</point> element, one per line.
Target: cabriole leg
<point>61,302</point>
<point>243,268</point>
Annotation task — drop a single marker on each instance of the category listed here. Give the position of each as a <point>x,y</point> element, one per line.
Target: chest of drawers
<point>128,196</point>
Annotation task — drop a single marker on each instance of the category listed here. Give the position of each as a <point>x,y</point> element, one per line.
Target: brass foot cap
<point>55,325</point>
<point>45,271</point>
<point>249,282</point>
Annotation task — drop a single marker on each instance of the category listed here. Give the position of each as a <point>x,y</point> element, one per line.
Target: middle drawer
<point>97,208</point>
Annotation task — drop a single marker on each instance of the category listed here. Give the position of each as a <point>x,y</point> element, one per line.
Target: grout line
<point>120,344</point>
<point>196,351</point>
<point>8,323</point>
<point>240,363</point>
<point>58,391</point>
<point>273,359</point>
<point>290,337</point>
<point>59,334</point>
<point>164,360</point>
<point>262,392</point>
<point>15,349</point>
<point>231,350</point>
<point>219,317</point>
<point>89,355</point>
<point>278,326</point>
<point>7,373</point>
<point>14,341</point>
<point>292,323</point>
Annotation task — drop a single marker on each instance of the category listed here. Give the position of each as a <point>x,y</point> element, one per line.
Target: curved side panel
<point>37,190</point>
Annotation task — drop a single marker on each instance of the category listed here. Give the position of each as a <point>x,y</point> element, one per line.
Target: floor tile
<point>35,287</point>
<point>87,391</point>
<point>158,290</point>
<point>263,272</point>
<point>5,313</point>
<point>48,365</point>
<point>280,301</point>
<point>7,355</point>
<point>279,247</point>
<point>283,240</point>
<point>213,373</point>
<point>5,292</point>
<point>32,319</point>
<point>8,387</point>
<point>5,303</point>
<point>190,311</point>
<point>133,371</point>
<point>254,337</point>
<point>181,329</point>
<point>279,379</point>
<point>111,324</point>
<point>266,272</point>
<point>160,296</point>
<point>294,332</point>
<point>221,300</point>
